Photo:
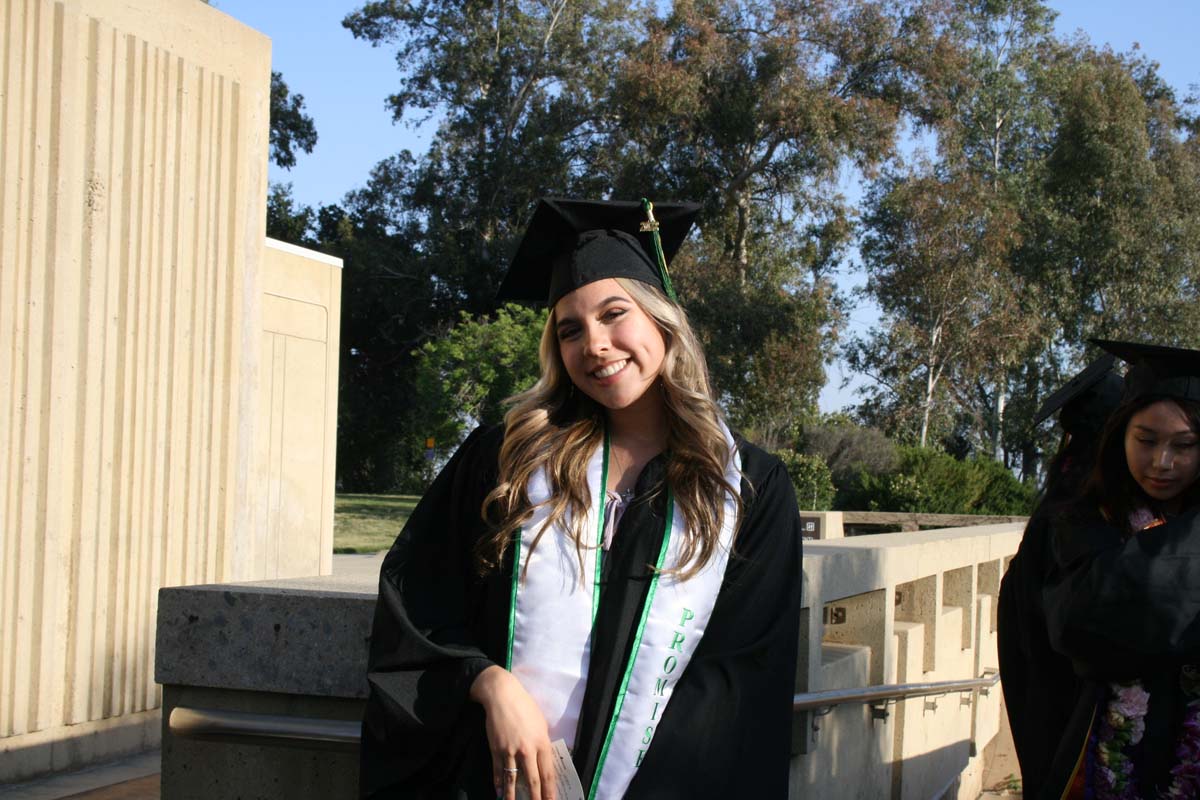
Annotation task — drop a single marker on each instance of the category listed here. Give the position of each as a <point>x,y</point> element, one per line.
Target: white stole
<point>552,611</point>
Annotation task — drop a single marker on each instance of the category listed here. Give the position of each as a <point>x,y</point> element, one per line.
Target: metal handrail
<point>327,734</point>
<point>895,691</point>
<point>264,729</point>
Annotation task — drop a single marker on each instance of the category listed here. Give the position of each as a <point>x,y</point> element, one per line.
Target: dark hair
<point>1070,467</point>
<point>1110,485</point>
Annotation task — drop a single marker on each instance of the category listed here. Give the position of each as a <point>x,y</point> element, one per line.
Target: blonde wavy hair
<point>552,426</point>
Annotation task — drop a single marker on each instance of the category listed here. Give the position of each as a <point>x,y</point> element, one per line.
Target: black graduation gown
<point>1123,607</point>
<point>1049,706</point>
<point>727,730</point>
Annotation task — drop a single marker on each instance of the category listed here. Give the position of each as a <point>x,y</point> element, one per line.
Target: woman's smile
<point>610,370</point>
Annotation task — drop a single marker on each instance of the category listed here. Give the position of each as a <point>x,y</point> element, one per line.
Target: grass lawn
<point>368,523</point>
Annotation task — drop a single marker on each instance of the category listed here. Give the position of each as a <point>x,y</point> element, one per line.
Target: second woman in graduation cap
<point>612,567</point>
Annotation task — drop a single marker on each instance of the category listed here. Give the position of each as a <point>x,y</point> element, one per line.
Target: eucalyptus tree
<point>987,120</point>
<point>1092,155</point>
<point>935,251</point>
<point>1118,244</point>
<point>758,108</point>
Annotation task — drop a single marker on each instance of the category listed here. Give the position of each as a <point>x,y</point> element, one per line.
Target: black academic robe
<point>727,730</point>
<point>1049,706</point>
<point>1118,607</point>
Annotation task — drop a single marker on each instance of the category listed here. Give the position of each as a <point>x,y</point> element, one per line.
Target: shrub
<point>932,482</point>
<point>811,479</point>
<point>848,448</point>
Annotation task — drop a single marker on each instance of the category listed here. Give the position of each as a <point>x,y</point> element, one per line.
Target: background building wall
<point>297,410</point>
<point>133,150</point>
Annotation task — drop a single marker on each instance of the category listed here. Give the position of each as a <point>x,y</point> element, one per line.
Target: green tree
<point>981,101</point>
<point>1111,246</point>
<point>765,344</point>
<point>848,449</point>
<point>931,482</point>
<point>984,103</point>
<point>754,108</point>
<point>390,307</point>
<point>751,106</point>
<point>1093,156</point>
<point>936,253</point>
<point>287,221</point>
<point>291,128</point>
<point>810,478</point>
<point>514,89</point>
<point>464,376</point>
<point>1119,243</point>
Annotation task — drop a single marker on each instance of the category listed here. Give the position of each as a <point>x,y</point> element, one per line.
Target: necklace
<point>628,464</point>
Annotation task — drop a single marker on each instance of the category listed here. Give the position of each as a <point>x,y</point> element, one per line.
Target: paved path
<point>134,778</point>
<point>1003,775</point>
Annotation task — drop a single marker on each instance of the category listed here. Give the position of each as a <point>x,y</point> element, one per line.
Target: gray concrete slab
<point>290,636</point>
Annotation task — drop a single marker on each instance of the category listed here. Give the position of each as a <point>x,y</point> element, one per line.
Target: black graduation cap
<point>1087,399</point>
<point>571,243</point>
<point>1157,370</point>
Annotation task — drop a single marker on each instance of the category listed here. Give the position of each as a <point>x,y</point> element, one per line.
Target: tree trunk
<point>930,384</point>
<point>740,251</point>
<point>998,430</point>
<point>1030,457</point>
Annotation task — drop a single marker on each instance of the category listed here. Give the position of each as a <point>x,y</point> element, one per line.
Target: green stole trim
<point>603,502</point>
<point>637,642</point>
<point>512,601</point>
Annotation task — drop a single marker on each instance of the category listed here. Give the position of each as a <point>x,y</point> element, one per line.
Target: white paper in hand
<point>567,781</point>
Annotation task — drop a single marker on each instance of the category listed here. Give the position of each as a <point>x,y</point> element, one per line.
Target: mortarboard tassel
<point>650,225</point>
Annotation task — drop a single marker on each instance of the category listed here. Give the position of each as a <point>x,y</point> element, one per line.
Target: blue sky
<point>345,81</point>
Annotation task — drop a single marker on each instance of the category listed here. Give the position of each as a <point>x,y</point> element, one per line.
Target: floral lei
<point>1122,727</point>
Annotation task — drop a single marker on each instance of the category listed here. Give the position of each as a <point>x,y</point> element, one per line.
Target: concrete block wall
<point>133,150</point>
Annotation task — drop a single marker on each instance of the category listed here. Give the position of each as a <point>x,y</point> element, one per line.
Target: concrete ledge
<point>294,647</point>
<point>301,636</point>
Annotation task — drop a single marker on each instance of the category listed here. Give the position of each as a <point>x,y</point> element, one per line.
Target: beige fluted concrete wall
<point>133,149</point>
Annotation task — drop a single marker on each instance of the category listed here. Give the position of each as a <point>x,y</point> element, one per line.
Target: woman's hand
<point>517,735</point>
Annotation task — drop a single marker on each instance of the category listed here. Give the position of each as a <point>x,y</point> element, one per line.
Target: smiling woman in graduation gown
<point>727,731</point>
<point>673,702</point>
